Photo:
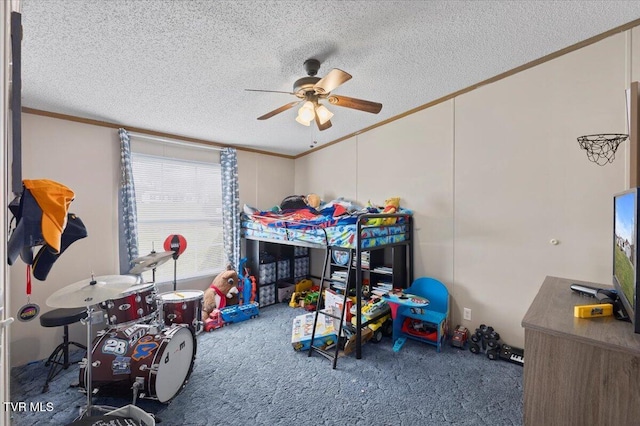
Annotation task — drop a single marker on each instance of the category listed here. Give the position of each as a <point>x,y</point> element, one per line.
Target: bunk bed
<point>356,232</point>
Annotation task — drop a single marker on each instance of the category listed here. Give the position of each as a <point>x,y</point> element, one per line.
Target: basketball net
<point>601,149</point>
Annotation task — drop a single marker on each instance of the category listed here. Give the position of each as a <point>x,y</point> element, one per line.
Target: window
<point>178,191</point>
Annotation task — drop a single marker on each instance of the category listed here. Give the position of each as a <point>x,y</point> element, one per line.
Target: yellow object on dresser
<point>593,311</point>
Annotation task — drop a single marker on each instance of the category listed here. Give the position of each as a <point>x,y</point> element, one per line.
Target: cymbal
<point>150,261</point>
<point>90,291</point>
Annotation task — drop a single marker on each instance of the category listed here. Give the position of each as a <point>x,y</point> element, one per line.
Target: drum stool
<point>59,358</point>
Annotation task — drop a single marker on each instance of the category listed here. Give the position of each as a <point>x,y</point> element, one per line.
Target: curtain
<point>128,212</point>
<point>230,205</point>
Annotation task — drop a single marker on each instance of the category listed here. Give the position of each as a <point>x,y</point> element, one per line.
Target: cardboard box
<point>303,327</point>
<point>331,299</point>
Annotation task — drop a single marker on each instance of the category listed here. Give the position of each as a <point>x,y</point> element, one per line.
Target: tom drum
<point>182,307</point>
<point>137,304</point>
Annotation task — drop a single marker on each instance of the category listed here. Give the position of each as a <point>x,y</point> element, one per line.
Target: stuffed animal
<point>222,292</point>
<point>391,205</point>
<point>313,200</point>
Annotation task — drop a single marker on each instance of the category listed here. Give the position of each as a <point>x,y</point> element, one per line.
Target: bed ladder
<point>331,352</point>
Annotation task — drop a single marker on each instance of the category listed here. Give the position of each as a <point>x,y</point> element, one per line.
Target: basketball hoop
<point>601,149</point>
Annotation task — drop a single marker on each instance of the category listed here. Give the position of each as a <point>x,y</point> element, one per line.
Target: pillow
<point>293,202</point>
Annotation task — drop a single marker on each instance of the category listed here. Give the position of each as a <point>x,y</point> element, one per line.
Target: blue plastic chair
<point>436,313</point>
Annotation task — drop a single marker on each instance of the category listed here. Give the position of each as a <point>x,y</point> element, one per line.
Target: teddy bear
<point>391,205</point>
<point>313,201</point>
<point>222,292</point>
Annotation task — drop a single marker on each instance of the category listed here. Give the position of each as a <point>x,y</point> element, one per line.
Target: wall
<point>86,158</point>
<point>410,158</point>
<point>517,157</point>
<point>264,180</point>
<point>493,175</point>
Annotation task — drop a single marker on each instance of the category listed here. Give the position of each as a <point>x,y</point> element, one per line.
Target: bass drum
<point>161,361</point>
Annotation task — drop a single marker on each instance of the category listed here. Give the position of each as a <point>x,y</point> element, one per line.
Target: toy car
<point>214,321</point>
<point>421,329</point>
<point>237,313</point>
<point>460,336</point>
<point>381,327</point>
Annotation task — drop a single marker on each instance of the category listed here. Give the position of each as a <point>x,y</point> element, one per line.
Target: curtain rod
<point>174,142</point>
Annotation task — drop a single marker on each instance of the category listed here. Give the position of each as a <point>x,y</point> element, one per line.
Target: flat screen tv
<point>625,253</point>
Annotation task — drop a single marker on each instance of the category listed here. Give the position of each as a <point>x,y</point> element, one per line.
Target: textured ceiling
<point>181,67</point>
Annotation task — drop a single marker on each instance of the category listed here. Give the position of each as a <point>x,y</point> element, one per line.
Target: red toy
<point>460,336</point>
<point>214,321</point>
<point>420,329</point>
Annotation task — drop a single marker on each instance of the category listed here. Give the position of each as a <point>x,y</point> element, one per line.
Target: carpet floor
<point>248,374</point>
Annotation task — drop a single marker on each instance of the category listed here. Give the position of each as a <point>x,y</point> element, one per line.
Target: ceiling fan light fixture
<point>310,90</point>
<point>306,113</point>
<point>303,122</point>
<point>324,114</point>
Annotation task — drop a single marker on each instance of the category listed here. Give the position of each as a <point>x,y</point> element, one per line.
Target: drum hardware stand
<point>177,244</point>
<point>153,271</point>
<point>139,384</point>
<point>175,266</point>
<point>89,408</point>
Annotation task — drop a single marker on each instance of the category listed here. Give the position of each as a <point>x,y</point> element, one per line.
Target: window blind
<point>179,196</point>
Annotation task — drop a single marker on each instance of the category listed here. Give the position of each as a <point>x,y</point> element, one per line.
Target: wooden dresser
<point>578,371</point>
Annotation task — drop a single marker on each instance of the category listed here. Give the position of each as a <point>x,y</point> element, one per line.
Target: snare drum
<point>182,307</point>
<point>137,304</point>
<point>160,360</point>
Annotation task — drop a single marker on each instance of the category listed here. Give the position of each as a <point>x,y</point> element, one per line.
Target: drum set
<point>149,344</point>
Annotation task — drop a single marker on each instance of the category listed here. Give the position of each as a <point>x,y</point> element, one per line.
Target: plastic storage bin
<point>284,272</point>
<point>267,273</point>
<point>301,267</point>
<point>267,295</point>
<point>139,415</point>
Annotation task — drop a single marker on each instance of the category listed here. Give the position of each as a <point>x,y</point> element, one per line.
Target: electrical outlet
<point>467,314</point>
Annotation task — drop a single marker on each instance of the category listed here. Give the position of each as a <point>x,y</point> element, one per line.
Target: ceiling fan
<point>312,89</point>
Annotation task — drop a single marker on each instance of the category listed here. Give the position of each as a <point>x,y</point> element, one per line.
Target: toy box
<point>285,290</point>
<point>303,327</point>
<point>132,412</point>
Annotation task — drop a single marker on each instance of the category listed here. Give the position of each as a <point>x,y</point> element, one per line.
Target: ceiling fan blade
<point>268,91</point>
<point>359,104</point>
<point>329,82</point>
<point>324,126</point>
<point>279,110</point>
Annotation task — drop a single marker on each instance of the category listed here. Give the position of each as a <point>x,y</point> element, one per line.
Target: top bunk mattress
<point>334,232</point>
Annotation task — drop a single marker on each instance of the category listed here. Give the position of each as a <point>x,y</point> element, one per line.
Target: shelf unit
<point>275,265</point>
<point>348,268</point>
<point>377,265</point>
